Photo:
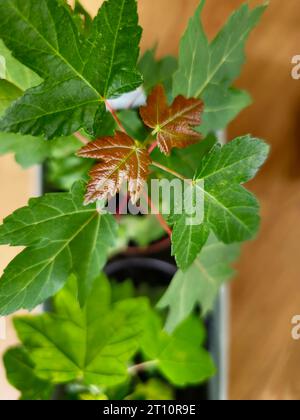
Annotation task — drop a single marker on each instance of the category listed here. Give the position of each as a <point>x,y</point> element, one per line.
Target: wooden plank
<point>16,187</point>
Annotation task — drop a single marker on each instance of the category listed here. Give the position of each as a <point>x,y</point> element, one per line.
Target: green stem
<point>158,216</point>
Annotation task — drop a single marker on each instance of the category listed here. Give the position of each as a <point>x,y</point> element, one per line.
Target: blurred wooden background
<point>265,361</point>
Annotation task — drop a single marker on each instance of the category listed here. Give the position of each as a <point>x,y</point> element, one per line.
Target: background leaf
<point>152,390</point>
<point>200,284</point>
<point>8,94</point>
<point>83,18</point>
<point>133,125</point>
<point>207,70</point>
<point>141,230</point>
<point>14,78</point>
<point>15,72</point>
<point>30,150</point>
<point>20,374</point>
<point>179,357</point>
<point>157,71</point>
<point>106,337</point>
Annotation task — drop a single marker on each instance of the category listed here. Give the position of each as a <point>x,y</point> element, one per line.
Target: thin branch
<point>82,138</point>
<point>141,367</point>
<point>170,171</point>
<point>115,116</point>
<point>158,215</point>
<point>151,249</point>
<point>152,147</point>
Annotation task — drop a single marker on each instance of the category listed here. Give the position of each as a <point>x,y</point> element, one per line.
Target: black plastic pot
<point>158,273</point>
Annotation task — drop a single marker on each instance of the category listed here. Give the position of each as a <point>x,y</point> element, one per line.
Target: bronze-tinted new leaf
<point>120,159</point>
<point>172,124</point>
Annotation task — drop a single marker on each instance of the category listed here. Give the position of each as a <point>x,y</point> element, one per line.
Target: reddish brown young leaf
<point>120,159</point>
<point>172,124</point>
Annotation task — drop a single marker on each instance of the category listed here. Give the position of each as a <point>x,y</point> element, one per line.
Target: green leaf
<point>185,161</point>
<point>133,124</point>
<point>80,74</point>
<point>64,168</point>
<point>157,72</point>
<point>30,150</point>
<point>15,73</point>
<point>152,390</point>
<point>179,357</point>
<point>83,18</point>
<point>91,397</point>
<point>62,172</point>
<point>137,231</point>
<point>92,344</point>
<point>187,241</point>
<point>235,163</point>
<point>2,67</point>
<point>141,230</point>
<point>54,229</point>
<point>20,374</point>
<point>200,284</point>
<point>207,70</point>
<point>122,291</point>
<point>8,94</point>
<point>229,210</point>
<point>223,105</point>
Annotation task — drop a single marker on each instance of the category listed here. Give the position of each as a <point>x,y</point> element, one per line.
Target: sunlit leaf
<point>207,70</point>
<point>92,344</point>
<point>201,283</point>
<point>179,356</point>
<point>20,374</point>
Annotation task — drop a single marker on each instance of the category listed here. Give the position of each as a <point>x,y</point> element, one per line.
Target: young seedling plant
<point>59,72</point>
